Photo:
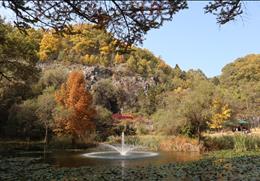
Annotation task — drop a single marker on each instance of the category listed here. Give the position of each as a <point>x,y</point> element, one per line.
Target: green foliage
<point>196,104</point>
<point>45,108</point>
<point>241,81</point>
<point>186,111</point>
<point>167,121</point>
<point>18,54</point>
<point>28,119</point>
<point>104,123</point>
<point>107,95</point>
<point>22,121</point>
<point>241,71</point>
<point>148,100</point>
<point>53,77</point>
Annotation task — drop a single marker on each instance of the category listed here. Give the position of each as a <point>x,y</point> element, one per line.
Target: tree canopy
<point>18,53</point>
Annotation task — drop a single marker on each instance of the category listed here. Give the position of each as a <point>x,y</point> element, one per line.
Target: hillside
<point>90,72</point>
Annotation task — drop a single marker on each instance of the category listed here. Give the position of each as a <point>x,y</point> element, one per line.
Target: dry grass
<point>180,143</point>
<point>166,143</point>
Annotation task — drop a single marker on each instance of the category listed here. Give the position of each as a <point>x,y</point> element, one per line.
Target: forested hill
<point>90,46</point>
<point>38,68</point>
<point>122,75</point>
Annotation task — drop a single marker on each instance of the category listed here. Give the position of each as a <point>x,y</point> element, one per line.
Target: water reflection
<point>76,159</point>
<point>122,169</point>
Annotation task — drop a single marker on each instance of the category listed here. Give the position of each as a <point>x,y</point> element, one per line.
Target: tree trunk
<point>46,135</point>
<point>73,140</point>
<point>199,136</point>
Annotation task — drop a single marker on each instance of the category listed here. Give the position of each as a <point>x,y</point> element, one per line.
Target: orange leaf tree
<point>76,114</point>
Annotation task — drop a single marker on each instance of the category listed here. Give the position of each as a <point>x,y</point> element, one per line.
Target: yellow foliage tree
<point>49,47</point>
<point>76,119</point>
<point>119,58</point>
<point>105,50</point>
<point>220,113</point>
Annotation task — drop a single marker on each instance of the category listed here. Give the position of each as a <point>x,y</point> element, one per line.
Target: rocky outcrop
<point>119,76</point>
<point>123,79</point>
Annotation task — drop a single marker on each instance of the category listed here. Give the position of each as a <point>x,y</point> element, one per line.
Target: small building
<point>238,125</point>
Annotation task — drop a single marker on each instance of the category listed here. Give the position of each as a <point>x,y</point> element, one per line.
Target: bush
<point>104,123</point>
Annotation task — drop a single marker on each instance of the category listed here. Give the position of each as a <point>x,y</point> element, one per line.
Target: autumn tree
<point>49,47</point>
<point>221,112</point>
<point>76,113</point>
<point>119,58</point>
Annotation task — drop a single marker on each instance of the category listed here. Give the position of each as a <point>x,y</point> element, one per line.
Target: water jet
<point>121,152</point>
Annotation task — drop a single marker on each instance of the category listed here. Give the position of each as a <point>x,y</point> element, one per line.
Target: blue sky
<point>193,40</point>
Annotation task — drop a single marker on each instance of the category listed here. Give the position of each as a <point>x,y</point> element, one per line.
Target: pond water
<point>76,158</point>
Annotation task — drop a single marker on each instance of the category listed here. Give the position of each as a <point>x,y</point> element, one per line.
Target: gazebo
<point>238,125</point>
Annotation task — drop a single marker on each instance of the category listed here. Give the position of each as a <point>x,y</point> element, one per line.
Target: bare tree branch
<point>224,10</point>
<point>128,21</point>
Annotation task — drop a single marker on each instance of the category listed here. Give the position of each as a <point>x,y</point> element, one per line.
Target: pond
<point>72,165</point>
<point>76,158</point>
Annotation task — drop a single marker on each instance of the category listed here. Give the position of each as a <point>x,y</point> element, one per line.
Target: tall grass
<point>237,142</point>
<point>246,143</point>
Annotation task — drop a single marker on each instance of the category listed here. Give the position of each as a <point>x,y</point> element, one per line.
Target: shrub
<point>104,123</point>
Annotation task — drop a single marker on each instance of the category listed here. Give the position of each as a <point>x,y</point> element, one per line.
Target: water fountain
<point>122,151</point>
